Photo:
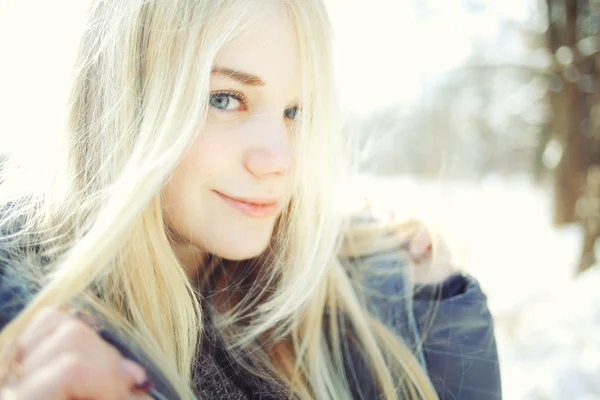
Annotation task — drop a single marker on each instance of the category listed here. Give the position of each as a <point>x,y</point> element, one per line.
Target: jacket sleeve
<point>13,299</point>
<point>15,291</point>
<point>458,339</point>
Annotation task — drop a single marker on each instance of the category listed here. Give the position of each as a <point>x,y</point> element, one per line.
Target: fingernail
<point>134,370</point>
<point>420,245</point>
<point>144,386</point>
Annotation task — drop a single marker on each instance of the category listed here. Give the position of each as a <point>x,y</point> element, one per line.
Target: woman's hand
<point>431,256</point>
<point>59,357</point>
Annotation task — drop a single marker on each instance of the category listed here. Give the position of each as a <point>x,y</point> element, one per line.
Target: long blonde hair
<point>138,98</point>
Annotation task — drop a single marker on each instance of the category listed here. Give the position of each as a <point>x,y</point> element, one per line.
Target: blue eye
<point>226,101</point>
<point>291,113</point>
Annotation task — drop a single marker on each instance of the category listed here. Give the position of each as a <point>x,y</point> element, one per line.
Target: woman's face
<point>227,193</point>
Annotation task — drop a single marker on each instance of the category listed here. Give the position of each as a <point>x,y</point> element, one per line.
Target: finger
<point>41,327</point>
<point>421,243</point>
<point>72,336</point>
<point>440,247</point>
<point>441,254</point>
<point>71,377</point>
<point>75,337</point>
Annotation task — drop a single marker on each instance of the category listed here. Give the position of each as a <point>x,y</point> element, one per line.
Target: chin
<point>239,253</point>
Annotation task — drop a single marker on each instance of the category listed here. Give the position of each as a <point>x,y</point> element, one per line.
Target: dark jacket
<point>459,350</point>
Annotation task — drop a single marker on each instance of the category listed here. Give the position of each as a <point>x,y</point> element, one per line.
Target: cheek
<point>182,190</point>
<point>210,163</point>
<point>209,156</point>
<point>217,154</point>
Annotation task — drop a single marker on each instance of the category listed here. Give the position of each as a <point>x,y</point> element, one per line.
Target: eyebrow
<point>242,77</point>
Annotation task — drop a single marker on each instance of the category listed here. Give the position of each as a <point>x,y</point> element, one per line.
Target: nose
<point>271,153</point>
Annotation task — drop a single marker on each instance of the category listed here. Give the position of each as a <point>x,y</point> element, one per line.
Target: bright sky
<point>384,52</point>
<point>37,38</point>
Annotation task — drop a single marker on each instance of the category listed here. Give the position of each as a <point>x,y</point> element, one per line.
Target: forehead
<point>267,48</point>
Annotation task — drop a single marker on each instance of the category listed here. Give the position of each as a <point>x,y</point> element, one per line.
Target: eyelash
<point>235,95</point>
<point>238,96</point>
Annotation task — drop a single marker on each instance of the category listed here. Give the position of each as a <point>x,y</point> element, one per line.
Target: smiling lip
<point>252,207</point>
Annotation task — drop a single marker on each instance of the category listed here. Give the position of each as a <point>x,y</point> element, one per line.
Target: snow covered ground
<point>547,322</point>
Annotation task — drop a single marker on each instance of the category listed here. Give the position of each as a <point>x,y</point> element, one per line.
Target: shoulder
<point>15,294</point>
<point>15,289</point>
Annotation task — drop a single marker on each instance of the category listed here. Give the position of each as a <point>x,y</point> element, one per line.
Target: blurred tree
<point>567,108</point>
<point>573,38</point>
<point>588,206</point>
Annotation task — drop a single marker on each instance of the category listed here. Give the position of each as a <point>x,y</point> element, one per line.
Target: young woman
<point>186,242</point>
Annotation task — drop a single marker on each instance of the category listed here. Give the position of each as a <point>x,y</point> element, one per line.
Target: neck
<point>193,259</point>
